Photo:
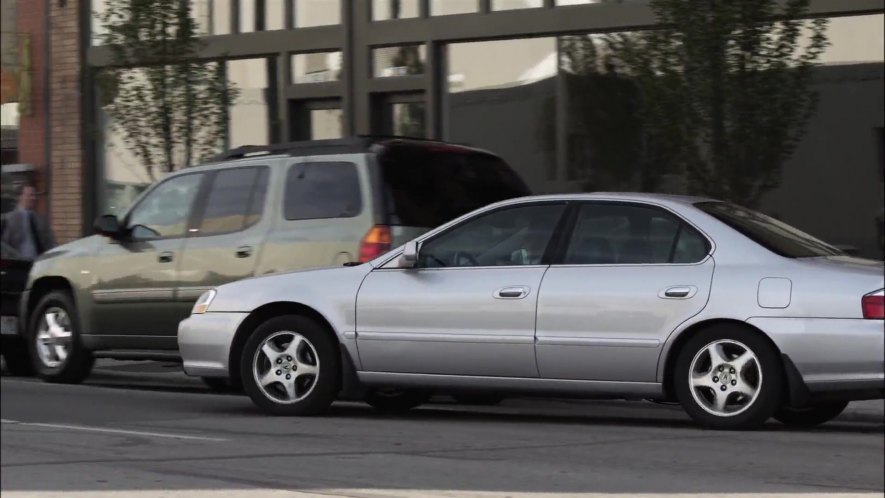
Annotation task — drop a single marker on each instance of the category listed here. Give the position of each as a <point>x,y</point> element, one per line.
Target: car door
<point>226,240</point>
<point>628,276</point>
<point>468,308</point>
<point>135,279</point>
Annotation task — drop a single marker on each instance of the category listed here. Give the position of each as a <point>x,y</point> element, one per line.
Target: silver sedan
<point>733,314</point>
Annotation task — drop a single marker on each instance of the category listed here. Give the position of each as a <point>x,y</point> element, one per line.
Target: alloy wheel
<point>725,377</point>
<point>54,334</point>
<point>286,367</point>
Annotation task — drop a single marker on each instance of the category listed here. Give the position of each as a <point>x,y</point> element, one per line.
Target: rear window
<point>774,235</point>
<point>428,186</point>
<point>320,190</point>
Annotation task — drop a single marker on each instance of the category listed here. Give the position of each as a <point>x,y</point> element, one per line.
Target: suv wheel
<point>728,377</point>
<point>291,366</point>
<point>56,350</point>
<point>811,415</point>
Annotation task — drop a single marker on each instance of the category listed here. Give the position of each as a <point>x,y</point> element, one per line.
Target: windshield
<point>768,232</point>
<point>427,186</point>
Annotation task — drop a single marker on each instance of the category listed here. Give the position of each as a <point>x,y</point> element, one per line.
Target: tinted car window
<point>230,206</point>
<point>322,190</point>
<point>512,236</point>
<point>774,235</point>
<point>165,211</point>
<point>429,186</point>
<point>631,234</point>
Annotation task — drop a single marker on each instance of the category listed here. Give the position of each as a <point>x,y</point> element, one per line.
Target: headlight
<point>203,303</point>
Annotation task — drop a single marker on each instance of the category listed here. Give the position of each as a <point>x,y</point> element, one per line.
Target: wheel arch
<point>43,286</point>
<point>677,342</point>
<point>266,312</point>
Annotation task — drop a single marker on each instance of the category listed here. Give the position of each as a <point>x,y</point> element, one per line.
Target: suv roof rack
<point>358,143</point>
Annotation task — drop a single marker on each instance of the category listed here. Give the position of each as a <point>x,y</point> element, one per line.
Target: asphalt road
<point>145,430</point>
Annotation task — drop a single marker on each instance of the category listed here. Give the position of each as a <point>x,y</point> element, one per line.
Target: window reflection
<point>249,114</point>
<point>408,119</point>
<point>449,7</point>
<point>507,106</point>
<point>316,67</point>
<point>398,61</point>
<point>383,10</point>
<point>317,13</point>
<point>516,4</point>
<point>325,124</point>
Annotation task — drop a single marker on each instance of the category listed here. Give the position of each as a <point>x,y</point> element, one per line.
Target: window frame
<point>202,201</point>
<point>559,258</point>
<point>549,251</point>
<point>189,222</point>
<point>359,187</point>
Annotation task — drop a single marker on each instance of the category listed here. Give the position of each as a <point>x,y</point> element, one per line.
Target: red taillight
<point>375,243</point>
<point>873,306</point>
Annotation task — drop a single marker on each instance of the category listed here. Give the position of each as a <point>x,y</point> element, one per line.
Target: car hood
<point>80,247</point>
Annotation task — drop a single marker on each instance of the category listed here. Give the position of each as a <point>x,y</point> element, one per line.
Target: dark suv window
<point>774,235</point>
<point>235,200</point>
<point>632,234</point>
<point>322,190</point>
<point>426,186</point>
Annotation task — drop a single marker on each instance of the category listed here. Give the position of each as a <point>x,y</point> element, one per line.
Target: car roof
<point>669,199</point>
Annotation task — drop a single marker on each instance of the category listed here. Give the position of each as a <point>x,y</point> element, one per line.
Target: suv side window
<point>235,201</point>
<point>607,234</point>
<point>513,236</point>
<point>165,211</point>
<point>322,190</point>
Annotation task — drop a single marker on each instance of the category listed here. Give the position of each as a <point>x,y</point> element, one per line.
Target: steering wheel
<point>458,256</point>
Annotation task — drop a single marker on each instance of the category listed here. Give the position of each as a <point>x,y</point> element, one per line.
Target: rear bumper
<point>204,342</point>
<point>832,358</point>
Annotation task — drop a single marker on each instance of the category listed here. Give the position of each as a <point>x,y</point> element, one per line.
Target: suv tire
<point>729,377</point>
<point>289,388</point>
<point>56,351</point>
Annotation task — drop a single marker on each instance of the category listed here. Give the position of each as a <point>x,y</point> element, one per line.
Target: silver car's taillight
<point>873,305</point>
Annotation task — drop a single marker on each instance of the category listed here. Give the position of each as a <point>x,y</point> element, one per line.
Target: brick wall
<point>67,179</point>
<point>32,125</point>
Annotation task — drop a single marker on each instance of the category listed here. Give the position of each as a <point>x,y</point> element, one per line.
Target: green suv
<point>252,211</point>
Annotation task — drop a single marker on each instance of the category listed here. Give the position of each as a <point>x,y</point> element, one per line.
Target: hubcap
<point>54,337</point>
<point>286,367</point>
<point>725,377</point>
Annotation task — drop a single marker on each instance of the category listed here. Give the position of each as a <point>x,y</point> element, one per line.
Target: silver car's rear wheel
<point>725,378</point>
<point>54,333</point>
<point>286,367</point>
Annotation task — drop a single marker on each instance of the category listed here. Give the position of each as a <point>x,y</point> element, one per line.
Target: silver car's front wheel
<point>291,365</point>
<point>286,367</point>
<point>725,377</point>
<point>729,376</point>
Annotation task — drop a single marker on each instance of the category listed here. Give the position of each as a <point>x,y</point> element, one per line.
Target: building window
<point>261,15</point>
<point>249,115</point>
<point>325,124</point>
<point>516,4</point>
<point>316,67</point>
<point>310,13</point>
<point>449,7</point>
<point>316,119</point>
<point>398,61</point>
<point>383,10</point>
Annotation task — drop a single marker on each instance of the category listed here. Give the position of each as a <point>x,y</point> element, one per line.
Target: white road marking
<point>113,431</point>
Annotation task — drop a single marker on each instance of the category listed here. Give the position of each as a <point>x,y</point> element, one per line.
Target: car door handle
<point>244,251</point>
<point>166,257</point>
<point>512,292</point>
<point>678,292</point>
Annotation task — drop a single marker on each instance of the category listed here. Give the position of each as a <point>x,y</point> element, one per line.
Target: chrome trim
<point>461,338</point>
<point>597,341</point>
<point>133,295</point>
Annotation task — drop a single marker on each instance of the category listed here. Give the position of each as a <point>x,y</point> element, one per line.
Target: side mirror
<point>107,225</point>
<point>409,257</point>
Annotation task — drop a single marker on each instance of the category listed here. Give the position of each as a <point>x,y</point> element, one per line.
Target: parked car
<point>737,316</point>
<point>13,275</point>
<point>254,211</point>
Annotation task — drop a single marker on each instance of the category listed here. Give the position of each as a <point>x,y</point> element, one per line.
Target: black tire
<point>326,384</point>
<point>478,399</point>
<point>222,385</point>
<point>18,360</point>
<point>79,361</point>
<point>811,415</point>
<point>396,400</point>
<point>771,391</point>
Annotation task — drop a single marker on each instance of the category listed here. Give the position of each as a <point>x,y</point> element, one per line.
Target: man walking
<point>26,231</point>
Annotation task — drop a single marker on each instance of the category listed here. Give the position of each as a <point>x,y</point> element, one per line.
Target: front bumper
<point>831,356</point>
<point>204,342</point>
